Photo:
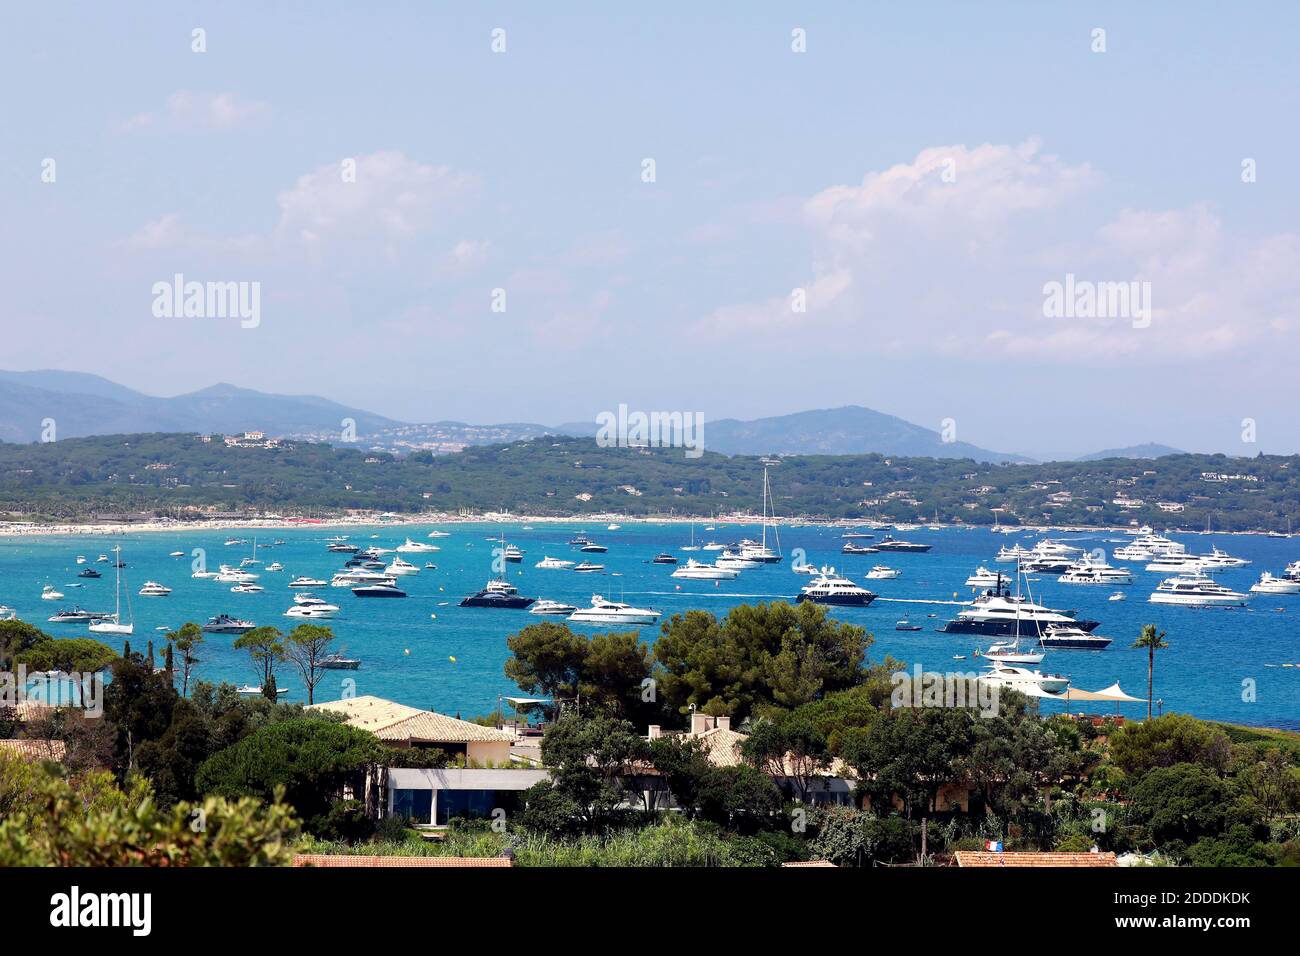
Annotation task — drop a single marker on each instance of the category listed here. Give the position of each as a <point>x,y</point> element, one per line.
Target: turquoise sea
<point>452,663</point>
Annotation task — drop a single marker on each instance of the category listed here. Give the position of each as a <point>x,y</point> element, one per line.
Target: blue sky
<point>774,170</point>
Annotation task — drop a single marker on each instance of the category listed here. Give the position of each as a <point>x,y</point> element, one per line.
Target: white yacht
<point>1217,559</point>
<point>225,624</point>
<point>883,573</point>
<point>51,593</point>
<point>1013,554</point>
<point>612,612</point>
<point>409,547</point>
<point>306,582</point>
<point>275,566</point>
<point>713,546</point>
<point>81,559</point>
<point>1268,584</point>
<point>1022,678</point>
<point>552,608</point>
<point>698,571</point>
<point>349,579</point>
<point>439,534</point>
<point>738,562</point>
<point>1009,652</point>
<point>248,690</point>
<point>553,564</point>
<point>229,575</point>
<point>612,527</point>
<point>247,587</point>
<point>1147,546</point>
<point>984,578</point>
<point>204,575</point>
<point>154,589</point>
<point>588,567</point>
<point>398,566</point>
<point>1196,590</point>
<point>1177,564</point>
<point>311,608</point>
<point>831,588</point>
<point>1091,571</point>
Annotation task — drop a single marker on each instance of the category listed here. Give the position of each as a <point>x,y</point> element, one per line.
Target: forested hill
<point>81,477</point>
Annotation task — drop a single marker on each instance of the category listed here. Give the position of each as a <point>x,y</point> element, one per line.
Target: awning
<point>521,701</point>
<point>1113,693</point>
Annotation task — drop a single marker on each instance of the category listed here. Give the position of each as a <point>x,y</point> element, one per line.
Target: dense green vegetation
<point>215,778</point>
<point>172,474</point>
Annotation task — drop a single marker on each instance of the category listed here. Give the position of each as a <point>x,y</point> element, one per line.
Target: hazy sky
<point>921,171</point>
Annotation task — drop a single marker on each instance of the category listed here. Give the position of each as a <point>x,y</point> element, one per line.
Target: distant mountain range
<point>1147,450</point>
<point>81,404</point>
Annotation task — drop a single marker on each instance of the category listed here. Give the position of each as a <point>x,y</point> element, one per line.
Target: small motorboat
<point>51,593</point>
<point>337,662</point>
<point>906,625</point>
<point>663,558</point>
<point>1117,596</point>
<point>89,573</point>
<point>586,567</point>
<point>248,690</point>
<point>245,587</point>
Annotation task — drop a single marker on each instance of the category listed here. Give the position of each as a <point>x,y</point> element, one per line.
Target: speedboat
<point>81,559</point>
<point>378,591</point>
<point>204,574</point>
<point>247,587</point>
<point>51,593</point>
<point>275,566</point>
<point>905,625</point>
<point>856,534</point>
<point>248,690</point>
<point>831,588</point>
<point>1267,584</point>
<point>154,589</point>
<point>1069,638</point>
<point>613,527</point>
<point>498,594</point>
<point>587,567</point>
<point>1196,590</point>
<point>439,534</point>
<point>306,582</point>
<point>173,554</point>
<point>398,566</point>
<point>713,546</point>
<point>309,606</point>
<point>89,573</point>
<point>230,542</point>
<point>337,662</point>
<point>663,558</point>
<point>343,548</point>
<point>805,569</point>
<point>552,608</point>
<point>593,548</point>
<point>75,615</point>
<point>698,571</point>
<point>225,624</point>
<point>889,543</point>
<point>410,546</point>
<point>553,564</point>
<point>1117,596</point>
<point>883,573</point>
<point>102,559</point>
<point>612,612</point>
<point>1022,678</point>
<point>579,539</point>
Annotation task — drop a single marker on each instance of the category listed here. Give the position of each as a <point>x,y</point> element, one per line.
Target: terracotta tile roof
<point>1017,858</point>
<point>389,720</point>
<point>343,860</point>
<point>722,746</point>
<point>36,749</point>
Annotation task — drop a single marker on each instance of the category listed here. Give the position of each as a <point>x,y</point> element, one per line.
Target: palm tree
<point>1152,642</point>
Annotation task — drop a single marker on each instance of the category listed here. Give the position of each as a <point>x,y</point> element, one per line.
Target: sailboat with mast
<point>112,624</point>
<point>692,546</point>
<point>759,551</point>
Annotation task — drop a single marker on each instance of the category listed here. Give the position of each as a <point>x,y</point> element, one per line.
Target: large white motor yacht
<point>698,571</point>
<point>834,589</point>
<point>553,564</point>
<point>1268,584</point>
<point>1091,571</point>
<point>1196,590</point>
<point>612,612</point>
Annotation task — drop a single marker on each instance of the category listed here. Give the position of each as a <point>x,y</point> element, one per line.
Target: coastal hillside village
<point>774,738</point>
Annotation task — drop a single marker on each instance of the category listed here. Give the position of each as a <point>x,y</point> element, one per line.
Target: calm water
<point>407,655</point>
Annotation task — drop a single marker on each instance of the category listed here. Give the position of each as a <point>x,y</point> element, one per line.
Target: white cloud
<point>392,197</point>
<point>913,259</point>
<point>202,112</point>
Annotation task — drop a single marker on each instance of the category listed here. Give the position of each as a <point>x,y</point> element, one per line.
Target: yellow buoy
<point>452,659</point>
